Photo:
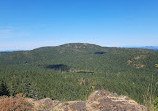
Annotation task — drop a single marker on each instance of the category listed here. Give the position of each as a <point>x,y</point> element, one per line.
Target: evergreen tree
<point>4,89</point>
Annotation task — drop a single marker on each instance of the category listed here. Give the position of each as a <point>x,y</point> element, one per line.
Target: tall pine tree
<point>4,89</point>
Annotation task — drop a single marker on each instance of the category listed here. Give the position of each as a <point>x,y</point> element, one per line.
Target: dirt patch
<point>129,62</point>
<point>135,61</point>
<point>140,57</point>
<point>138,66</point>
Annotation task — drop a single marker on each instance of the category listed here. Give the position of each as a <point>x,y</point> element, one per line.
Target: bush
<point>156,104</point>
<point>17,103</point>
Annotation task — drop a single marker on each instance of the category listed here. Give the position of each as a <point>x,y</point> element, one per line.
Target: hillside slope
<point>72,71</point>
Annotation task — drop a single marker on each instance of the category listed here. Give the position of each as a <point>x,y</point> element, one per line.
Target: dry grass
<point>17,103</point>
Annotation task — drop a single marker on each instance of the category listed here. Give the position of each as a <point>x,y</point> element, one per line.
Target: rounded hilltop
<point>80,45</point>
<point>72,46</point>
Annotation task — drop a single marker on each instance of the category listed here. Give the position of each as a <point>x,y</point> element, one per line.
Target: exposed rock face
<point>103,100</point>
<point>100,100</point>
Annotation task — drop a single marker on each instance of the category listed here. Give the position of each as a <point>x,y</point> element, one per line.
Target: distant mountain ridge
<point>84,45</point>
<point>143,47</point>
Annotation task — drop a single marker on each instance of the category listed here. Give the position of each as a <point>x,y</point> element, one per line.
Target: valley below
<point>74,72</point>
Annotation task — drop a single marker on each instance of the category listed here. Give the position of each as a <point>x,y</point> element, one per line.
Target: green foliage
<point>3,89</point>
<point>73,71</point>
<point>156,104</point>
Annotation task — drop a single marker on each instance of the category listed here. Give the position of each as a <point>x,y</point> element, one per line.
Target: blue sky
<point>28,24</point>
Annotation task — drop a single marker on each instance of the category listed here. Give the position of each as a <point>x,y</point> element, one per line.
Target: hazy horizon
<point>10,50</point>
<point>29,24</point>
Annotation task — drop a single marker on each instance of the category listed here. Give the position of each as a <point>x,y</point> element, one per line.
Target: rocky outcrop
<point>100,100</point>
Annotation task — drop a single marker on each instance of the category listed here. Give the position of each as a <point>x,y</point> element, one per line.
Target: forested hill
<point>72,71</point>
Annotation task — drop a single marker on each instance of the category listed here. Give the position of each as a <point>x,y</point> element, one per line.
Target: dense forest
<point>73,71</point>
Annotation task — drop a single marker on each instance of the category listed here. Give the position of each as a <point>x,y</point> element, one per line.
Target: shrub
<point>17,103</point>
<point>156,104</point>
